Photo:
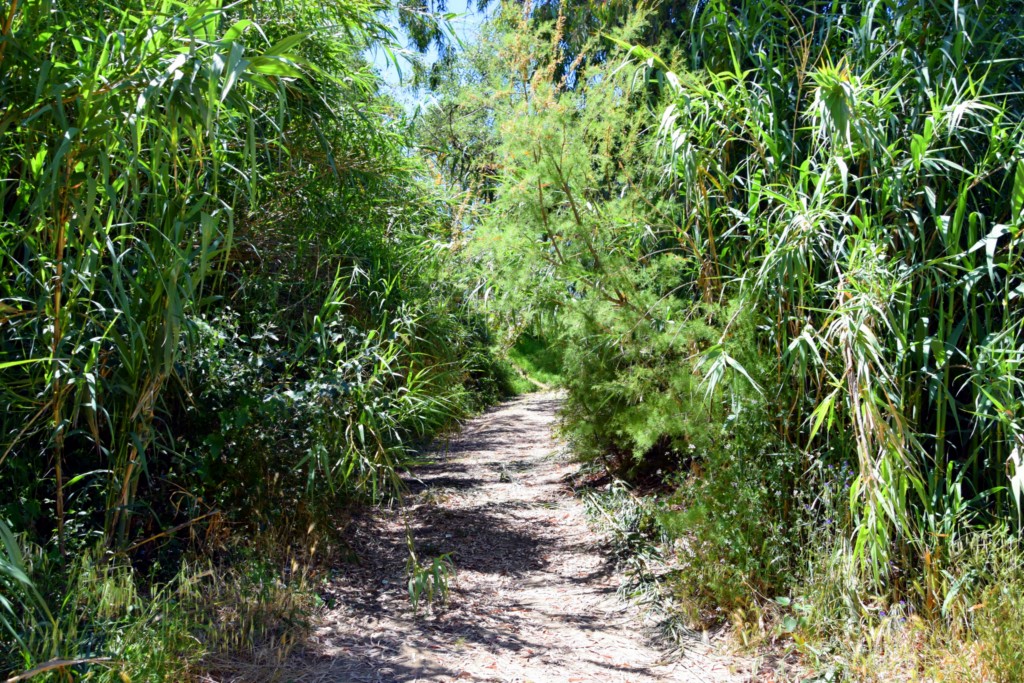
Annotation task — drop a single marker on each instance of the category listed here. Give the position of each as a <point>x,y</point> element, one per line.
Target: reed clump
<point>227,314</point>
<point>777,246</point>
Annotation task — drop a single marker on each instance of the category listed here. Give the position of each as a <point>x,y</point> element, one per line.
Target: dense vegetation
<point>771,250</point>
<point>227,315</point>
<point>778,248</point>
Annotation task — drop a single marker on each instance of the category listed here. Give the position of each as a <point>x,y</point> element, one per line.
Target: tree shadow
<point>372,633</point>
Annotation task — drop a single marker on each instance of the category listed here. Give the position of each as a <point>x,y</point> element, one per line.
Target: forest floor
<point>533,597</point>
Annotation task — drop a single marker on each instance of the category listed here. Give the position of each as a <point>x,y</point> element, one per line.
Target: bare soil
<point>533,598</point>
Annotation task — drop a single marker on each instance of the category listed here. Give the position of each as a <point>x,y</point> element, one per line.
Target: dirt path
<point>534,595</point>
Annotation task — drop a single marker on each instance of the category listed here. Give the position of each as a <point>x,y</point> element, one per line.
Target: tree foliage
<point>771,249</point>
<point>791,228</point>
<point>226,297</point>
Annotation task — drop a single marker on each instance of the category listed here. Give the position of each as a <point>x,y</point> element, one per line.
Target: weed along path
<point>533,597</point>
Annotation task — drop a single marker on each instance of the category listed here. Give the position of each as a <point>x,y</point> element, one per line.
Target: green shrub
<point>847,631</point>
<point>234,308</point>
<point>539,359</point>
<point>738,520</point>
<point>811,213</point>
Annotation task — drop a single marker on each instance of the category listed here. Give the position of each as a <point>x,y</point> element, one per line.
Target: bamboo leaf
<point>1017,196</point>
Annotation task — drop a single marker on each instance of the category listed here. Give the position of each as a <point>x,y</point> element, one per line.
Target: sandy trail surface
<point>533,598</point>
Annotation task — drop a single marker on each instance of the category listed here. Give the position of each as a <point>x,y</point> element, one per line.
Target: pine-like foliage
<point>792,234</point>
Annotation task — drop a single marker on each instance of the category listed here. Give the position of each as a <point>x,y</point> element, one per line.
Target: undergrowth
<point>122,625</point>
<point>539,362</point>
<point>639,544</point>
<point>229,314</point>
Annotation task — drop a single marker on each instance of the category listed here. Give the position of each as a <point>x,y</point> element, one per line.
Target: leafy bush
<point>786,239</point>
<point>739,535</point>
<point>229,304</point>
<point>848,632</point>
<point>539,359</point>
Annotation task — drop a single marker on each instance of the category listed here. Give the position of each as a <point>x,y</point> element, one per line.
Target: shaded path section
<point>533,599</point>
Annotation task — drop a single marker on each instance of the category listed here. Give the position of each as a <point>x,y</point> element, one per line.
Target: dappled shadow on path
<point>533,598</point>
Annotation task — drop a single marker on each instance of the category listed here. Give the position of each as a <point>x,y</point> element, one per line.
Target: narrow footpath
<point>533,598</point>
